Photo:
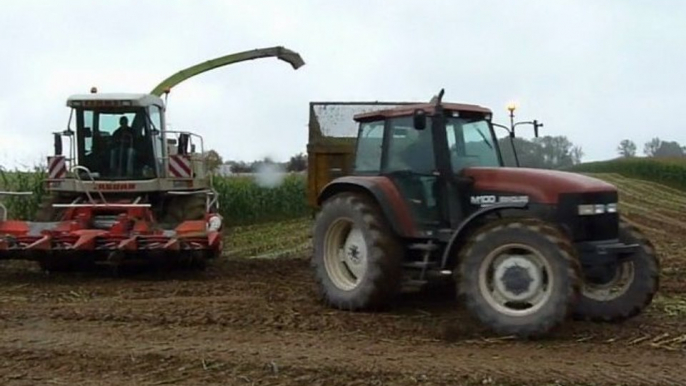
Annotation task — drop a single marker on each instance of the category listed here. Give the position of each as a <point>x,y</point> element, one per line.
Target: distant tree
<point>627,148</point>
<point>239,167</point>
<point>577,154</point>
<point>297,163</point>
<point>650,148</point>
<point>669,149</point>
<point>214,160</point>
<point>543,153</point>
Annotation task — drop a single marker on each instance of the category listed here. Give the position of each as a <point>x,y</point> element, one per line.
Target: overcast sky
<point>595,71</point>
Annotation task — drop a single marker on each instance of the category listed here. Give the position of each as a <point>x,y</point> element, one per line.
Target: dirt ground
<point>258,322</point>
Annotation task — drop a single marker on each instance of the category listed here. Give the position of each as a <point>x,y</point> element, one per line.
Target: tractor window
<point>410,149</point>
<point>369,147</point>
<point>471,144</point>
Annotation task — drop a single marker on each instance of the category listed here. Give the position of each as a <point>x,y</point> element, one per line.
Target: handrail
<point>105,205</point>
<point>202,140</point>
<point>8,193</point>
<point>78,178</point>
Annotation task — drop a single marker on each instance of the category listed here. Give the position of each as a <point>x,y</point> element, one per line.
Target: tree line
<point>654,148</point>
<point>296,163</point>
<point>548,152</point>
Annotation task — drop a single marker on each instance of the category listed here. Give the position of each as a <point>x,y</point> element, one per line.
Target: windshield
<point>471,143</point>
<point>115,144</point>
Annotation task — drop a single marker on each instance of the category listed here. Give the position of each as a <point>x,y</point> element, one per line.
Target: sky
<point>594,71</point>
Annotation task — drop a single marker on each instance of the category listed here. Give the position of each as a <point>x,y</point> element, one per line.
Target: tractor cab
<point>424,151</point>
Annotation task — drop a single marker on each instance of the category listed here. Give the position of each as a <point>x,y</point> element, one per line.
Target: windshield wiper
<point>484,137</point>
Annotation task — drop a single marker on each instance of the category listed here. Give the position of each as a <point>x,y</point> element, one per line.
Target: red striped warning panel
<point>180,166</point>
<point>57,167</point>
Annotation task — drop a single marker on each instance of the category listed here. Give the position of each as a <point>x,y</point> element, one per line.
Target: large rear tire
<point>517,277</point>
<point>357,260</point>
<point>628,289</point>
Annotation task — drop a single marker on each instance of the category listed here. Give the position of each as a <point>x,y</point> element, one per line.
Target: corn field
<point>666,171</point>
<point>242,200</point>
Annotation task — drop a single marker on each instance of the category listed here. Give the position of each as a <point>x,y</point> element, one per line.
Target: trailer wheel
<point>357,260</point>
<point>627,289</point>
<point>517,277</point>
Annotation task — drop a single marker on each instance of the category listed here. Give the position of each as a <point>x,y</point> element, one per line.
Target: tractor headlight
<point>591,209</point>
<point>214,224</point>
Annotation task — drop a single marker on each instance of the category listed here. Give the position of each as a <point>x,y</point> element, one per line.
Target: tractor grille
<point>591,227</point>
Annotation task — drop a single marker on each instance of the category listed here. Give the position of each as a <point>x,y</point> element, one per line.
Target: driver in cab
<point>124,132</point>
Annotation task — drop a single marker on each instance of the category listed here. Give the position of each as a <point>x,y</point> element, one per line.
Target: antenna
<point>436,100</point>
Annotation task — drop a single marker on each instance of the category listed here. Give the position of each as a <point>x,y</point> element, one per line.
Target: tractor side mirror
<point>536,126</point>
<point>58,143</point>
<point>419,119</point>
<point>87,132</point>
<point>192,148</point>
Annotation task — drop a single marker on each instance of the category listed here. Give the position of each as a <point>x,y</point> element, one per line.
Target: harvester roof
<point>428,108</point>
<point>114,100</point>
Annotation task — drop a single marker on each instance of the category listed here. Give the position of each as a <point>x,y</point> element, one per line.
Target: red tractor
<point>417,193</point>
<point>129,190</point>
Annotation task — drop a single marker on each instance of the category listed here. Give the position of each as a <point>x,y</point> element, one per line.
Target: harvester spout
<point>291,57</point>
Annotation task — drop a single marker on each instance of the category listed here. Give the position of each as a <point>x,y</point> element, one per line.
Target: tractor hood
<point>543,186</point>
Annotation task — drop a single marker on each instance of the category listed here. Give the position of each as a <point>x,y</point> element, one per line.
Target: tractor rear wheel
<point>627,289</point>
<point>357,260</point>
<point>518,277</point>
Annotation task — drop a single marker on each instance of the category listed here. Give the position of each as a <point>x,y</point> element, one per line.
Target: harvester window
<point>115,143</point>
<point>158,141</point>
<point>369,147</point>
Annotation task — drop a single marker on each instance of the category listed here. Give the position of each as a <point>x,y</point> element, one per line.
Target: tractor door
<point>409,162</point>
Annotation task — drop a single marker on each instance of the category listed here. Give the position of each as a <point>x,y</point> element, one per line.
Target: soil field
<point>257,321</point>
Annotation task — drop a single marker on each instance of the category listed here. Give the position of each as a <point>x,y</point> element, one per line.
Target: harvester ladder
<point>78,178</point>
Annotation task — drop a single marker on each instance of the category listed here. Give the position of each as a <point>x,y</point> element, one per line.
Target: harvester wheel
<point>45,212</point>
<point>357,260</point>
<point>185,208</point>
<point>518,277</point>
<point>628,289</point>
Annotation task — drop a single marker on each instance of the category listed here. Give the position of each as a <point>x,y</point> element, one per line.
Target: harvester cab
<point>123,137</point>
<point>126,189</point>
<point>417,194</point>
<point>119,149</point>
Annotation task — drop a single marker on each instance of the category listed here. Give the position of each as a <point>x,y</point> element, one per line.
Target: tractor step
<point>420,265</point>
<point>423,247</point>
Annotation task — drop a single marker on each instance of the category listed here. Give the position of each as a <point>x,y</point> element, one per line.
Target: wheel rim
<point>615,287</point>
<point>515,279</point>
<point>345,254</point>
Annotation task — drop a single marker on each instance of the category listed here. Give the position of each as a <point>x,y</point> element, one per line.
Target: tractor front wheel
<point>518,278</point>
<point>357,260</point>
<point>627,288</point>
